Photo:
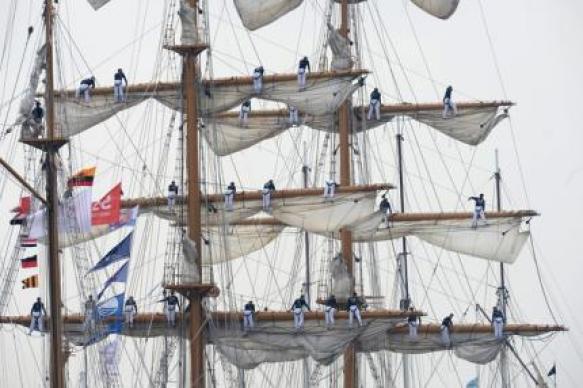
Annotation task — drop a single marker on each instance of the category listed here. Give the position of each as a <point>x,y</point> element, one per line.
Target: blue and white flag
<point>121,276</point>
<point>473,383</point>
<point>112,307</point>
<point>119,252</point>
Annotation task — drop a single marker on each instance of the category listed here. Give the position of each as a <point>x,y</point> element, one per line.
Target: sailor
<point>449,107</point>
<point>330,189</point>
<point>84,86</point>
<point>353,306</point>
<point>267,192</point>
<point>248,312</point>
<point>498,322</point>
<point>258,79</point>
<point>413,321</point>
<point>293,115</point>
<point>90,314</point>
<point>119,79</point>
<point>303,67</point>
<point>172,193</point>
<point>171,305</point>
<point>375,105</point>
<point>230,195</point>
<point>446,326</point>
<point>37,314</point>
<point>244,113</point>
<point>330,310</point>
<point>130,310</point>
<point>385,208</point>
<point>37,118</point>
<point>478,209</point>
<point>298,311</point>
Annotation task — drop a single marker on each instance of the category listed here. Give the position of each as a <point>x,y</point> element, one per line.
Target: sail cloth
<point>213,214</point>
<point>258,13</point>
<point>230,242</point>
<point>442,9</point>
<point>27,103</point>
<point>96,4</point>
<point>187,14</point>
<point>499,240</point>
<point>340,46</point>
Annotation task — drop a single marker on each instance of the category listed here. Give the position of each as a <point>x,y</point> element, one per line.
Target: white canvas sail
<point>442,9</point>
<point>258,13</point>
<point>96,4</point>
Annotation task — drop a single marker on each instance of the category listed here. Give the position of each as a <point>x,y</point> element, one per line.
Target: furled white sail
<point>470,125</point>
<point>188,20</point>
<point>321,215</point>
<point>500,239</point>
<point>27,103</point>
<point>228,134</point>
<point>340,46</point>
<point>442,9</point>
<point>258,13</point>
<point>224,243</point>
<point>213,214</point>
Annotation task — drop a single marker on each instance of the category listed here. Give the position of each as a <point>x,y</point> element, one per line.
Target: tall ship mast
<point>195,252</point>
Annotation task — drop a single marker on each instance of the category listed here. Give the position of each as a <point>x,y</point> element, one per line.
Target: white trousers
<point>388,214</point>
<point>257,82</point>
<point>449,108</point>
<point>298,318</point>
<point>83,90</point>
<point>498,327</point>
<point>229,200</point>
<point>374,107</point>
<point>266,199</point>
<point>244,114</point>
<point>171,199</point>
<point>329,313</point>
<point>302,78</point>
<point>171,314</point>
<point>413,329</point>
<point>329,189</point>
<point>293,116</point>
<point>445,335</point>
<point>118,90</point>
<point>354,312</point>
<point>130,313</point>
<point>248,320</point>
<point>478,214</point>
<point>36,322</point>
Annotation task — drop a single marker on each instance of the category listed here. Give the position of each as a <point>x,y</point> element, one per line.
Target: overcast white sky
<point>538,48</point>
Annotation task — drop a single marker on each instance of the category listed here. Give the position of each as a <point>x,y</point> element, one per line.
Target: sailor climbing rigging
<point>230,195</point>
<point>298,311</point>
<point>303,68</point>
<point>479,208</point>
<point>130,311</point>
<point>84,87</point>
<point>375,105</point>
<point>119,83</point>
<point>37,314</point>
<point>267,192</point>
<point>449,107</point>
<point>248,313</point>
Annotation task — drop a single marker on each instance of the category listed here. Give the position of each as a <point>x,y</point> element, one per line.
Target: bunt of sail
<point>442,9</point>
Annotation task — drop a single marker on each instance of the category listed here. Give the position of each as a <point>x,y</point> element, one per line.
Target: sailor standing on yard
<point>130,311</point>
<point>294,118</point>
<point>330,311</point>
<point>244,113</point>
<point>172,193</point>
<point>90,314</point>
<point>303,68</point>
<point>480,206</point>
<point>498,322</point>
<point>298,311</point>
<point>330,189</point>
<point>353,305</point>
<point>37,314</point>
<point>258,79</point>
<point>267,192</point>
<point>229,196</point>
<point>375,105</point>
<point>413,321</point>
<point>118,85</point>
<point>171,305</point>
<point>449,107</point>
<point>446,326</point>
<point>385,208</point>
<point>84,86</point>
<point>248,312</point>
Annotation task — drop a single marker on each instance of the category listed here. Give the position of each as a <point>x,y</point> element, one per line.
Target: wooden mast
<point>350,370</point>
<point>57,361</point>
